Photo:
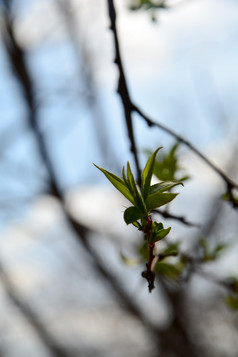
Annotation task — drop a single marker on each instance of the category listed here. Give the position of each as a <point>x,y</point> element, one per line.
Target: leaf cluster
<point>144,199</point>
<point>147,4</point>
<point>167,166</point>
<point>210,253</point>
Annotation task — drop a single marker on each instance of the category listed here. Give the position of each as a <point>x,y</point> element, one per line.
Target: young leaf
<point>137,225</point>
<point>118,183</point>
<point>133,190</point>
<point>143,250</point>
<point>160,235</point>
<point>171,250</point>
<point>163,186</point>
<point>147,174</point>
<point>232,302</point>
<point>132,214</point>
<point>168,270</point>
<point>159,199</point>
<point>124,178</point>
<point>157,226</point>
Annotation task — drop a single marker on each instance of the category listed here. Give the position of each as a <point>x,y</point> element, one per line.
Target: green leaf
<point>126,181</point>
<point>163,186</point>
<point>134,191</point>
<point>118,183</point>
<point>168,270</point>
<point>162,233</point>
<point>211,253</point>
<point>147,174</point>
<point>144,251</point>
<point>132,214</point>
<point>137,225</point>
<point>157,236</point>
<point>171,250</point>
<point>157,226</point>
<point>159,199</point>
<point>232,302</point>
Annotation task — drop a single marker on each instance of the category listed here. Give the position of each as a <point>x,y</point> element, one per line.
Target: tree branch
<point>54,348</point>
<point>181,219</point>
<point>122,89</point>
<point>231,184</point>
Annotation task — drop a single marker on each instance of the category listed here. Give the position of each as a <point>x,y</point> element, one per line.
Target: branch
<point>122,89</point>
<point>181,219</point>
<point>229,183</point>
<point>52,346</point>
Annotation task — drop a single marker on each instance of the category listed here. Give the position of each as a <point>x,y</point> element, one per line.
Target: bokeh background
<point>64,289</point>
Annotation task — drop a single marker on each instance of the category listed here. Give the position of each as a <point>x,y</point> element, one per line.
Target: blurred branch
<point>53,347</point>
<point>229,183</point>
<point>175,339</point>
<point>181,219</point>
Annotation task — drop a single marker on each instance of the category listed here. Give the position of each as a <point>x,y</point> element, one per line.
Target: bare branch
<point>54,348</point>
<point>181,219</point>
<point>229,183</point>
<point>122,89</point>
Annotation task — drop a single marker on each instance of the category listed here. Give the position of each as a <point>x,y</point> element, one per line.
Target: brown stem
<point>122,89</point>
<point>149,274</point>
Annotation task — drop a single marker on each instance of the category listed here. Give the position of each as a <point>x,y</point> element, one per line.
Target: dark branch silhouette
<point>53,346</point>
<point>122,88</point>
<point>181,219</point>
<point>230,183</point>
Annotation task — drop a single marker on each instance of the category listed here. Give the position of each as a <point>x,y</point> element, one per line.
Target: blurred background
<point>64,288</point>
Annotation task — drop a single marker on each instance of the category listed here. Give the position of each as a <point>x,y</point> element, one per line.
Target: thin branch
<point>52,346</point>
<point>122,89</point>
<point>181,219</point>
<point>230,183</point>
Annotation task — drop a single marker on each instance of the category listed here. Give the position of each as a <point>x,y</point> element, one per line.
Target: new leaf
<point>147,174</point>
<point>159,199</point>
<point>118,183</point>
<point>132,214</point>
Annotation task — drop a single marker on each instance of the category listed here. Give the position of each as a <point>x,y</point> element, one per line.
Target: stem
<point>230,183</point>
<point>122,88</point>
<point>149,274</point>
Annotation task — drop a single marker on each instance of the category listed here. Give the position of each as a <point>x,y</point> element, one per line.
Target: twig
<point>229,183</point>
<point>53,347</point>
<point>122,89</point>
<point>182,219</point>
